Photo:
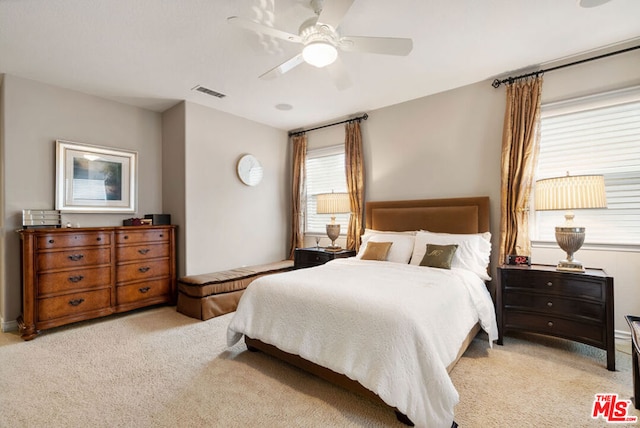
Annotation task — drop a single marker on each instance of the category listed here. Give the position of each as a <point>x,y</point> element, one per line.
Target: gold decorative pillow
<point>439,256</point>
<point>376,251</point>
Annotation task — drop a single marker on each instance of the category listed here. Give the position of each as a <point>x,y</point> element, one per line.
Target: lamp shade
<point>333,203</point>
<point>570,192</point>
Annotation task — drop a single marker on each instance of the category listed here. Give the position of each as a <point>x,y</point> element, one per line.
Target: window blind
<point>325,174</point>
<point>594,135</point>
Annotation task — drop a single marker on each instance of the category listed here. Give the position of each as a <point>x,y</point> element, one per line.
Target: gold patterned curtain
<point>520,146</point>
<point>298,192</point>
<point>354,167</point>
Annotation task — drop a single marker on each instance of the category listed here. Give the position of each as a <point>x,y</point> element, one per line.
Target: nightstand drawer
<point>563,284</point>
<point>313,258</point>
<point>552,304</point>
<point>309,257</point>
<point>555,326</point>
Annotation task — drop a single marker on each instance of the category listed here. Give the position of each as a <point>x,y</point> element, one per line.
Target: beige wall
<point>445,145</point>
<point>229,224</point>
<point>173,176</point>
<point>34,116</point>
<point>449,145</point>
<point>608,74</point>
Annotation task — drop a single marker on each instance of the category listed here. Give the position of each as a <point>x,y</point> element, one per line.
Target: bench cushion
<point>209,295</point>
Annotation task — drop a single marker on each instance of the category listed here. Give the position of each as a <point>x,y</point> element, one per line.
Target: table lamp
<point>569,193</point>
<point>333,203</point>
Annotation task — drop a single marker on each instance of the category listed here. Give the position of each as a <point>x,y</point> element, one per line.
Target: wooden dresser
<point>71,275</point>
<point>572,305</point>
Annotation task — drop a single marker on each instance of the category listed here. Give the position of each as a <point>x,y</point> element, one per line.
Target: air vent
<point>209,91</point>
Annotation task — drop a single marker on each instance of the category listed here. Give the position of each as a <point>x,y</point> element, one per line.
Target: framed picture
<point>94,179</point>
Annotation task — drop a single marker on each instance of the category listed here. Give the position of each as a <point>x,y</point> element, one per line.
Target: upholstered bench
<point>212,294</point>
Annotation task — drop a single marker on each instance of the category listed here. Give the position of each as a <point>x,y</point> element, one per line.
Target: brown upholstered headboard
<point>454,215</point>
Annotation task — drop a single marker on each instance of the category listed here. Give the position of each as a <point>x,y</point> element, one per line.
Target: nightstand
<point>308,257</point>
<point>572,305</point>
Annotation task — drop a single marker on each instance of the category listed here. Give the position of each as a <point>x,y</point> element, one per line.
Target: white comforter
<point>392,327</point>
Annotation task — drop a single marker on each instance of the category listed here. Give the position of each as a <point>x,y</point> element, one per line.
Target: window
<point>594,135</point>
<point>325,174</point>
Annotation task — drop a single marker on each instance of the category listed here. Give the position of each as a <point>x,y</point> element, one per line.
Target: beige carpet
<point>159,368</point>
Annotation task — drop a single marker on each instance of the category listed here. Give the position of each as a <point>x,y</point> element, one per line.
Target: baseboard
<point>7,326</point>
<point>622,335</point>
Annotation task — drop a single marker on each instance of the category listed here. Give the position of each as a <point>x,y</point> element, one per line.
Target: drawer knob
<point>550,323</point>
<point>144,289</point>
<point>76,257</point>
<point>51,241</point>
<point>550,304</point>
<point>549,284</point>
<point>161,235</point>
<point>126,236</point>
<point>99,238</point>
<point>143,251</point>
<point>144,269</point>
<point>76,278</point>
<point>75,302</point>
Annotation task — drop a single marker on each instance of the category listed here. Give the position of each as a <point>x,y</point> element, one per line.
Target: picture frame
<point>95,179</point>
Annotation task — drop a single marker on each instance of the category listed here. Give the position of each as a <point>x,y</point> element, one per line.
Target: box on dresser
<point>572,305</point>
<point>76,274</point>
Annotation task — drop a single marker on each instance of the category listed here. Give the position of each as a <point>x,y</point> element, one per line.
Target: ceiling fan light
<point>319,54</point>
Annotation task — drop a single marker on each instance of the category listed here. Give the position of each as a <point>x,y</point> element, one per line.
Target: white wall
<point>229,224</point>
<point>34,115</point>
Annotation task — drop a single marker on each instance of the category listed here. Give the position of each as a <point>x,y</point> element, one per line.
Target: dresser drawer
<point>72,239</point>
<point>142,252</point>
<point>142,236</point>
<point>72,304</point>
<point>565,284</point>
<point>555,326</point>
<point>49,283</point>
<point>142,291</point>
<point>553,304</point>
<point>73,258</point>
<point>143,270</point>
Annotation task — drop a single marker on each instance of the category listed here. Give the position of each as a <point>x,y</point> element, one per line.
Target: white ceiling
<point>151,53</point>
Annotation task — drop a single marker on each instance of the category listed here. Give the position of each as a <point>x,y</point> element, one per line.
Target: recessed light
<point>284,107</point>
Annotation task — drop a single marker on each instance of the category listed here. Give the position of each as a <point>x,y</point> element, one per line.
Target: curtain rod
<point>359,118</point>
<point>497,82</point>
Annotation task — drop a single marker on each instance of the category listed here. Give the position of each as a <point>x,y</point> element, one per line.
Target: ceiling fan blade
<point>338,73</point>
<point>379,45</point>
<point>248,24</point>
<point>283,68</point>
<point>333,11</point>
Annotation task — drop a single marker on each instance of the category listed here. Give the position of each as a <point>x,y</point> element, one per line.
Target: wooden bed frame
<point>457,215</point>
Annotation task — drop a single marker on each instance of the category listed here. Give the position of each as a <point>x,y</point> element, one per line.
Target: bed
<point>381,324</point>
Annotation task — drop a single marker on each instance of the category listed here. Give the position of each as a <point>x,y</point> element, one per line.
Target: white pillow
<point>401,247</point>
<point>473,253</point>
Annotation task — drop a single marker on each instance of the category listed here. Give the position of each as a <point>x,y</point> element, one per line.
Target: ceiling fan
<point>321,40</point>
